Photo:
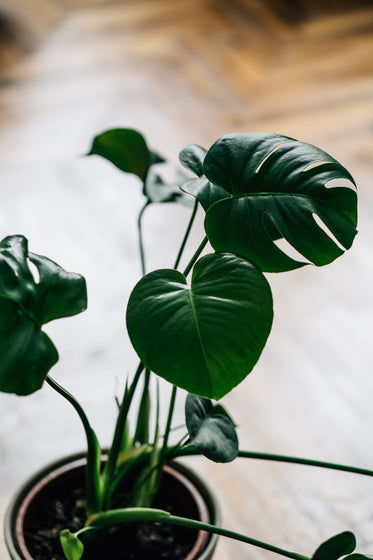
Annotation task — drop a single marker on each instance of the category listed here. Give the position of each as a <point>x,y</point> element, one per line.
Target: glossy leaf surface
<point>26,304</point>
<point>335,547</point>
<point>72,547</point>
<point>277,187</point>
<point>126,149</point>
<point>211,430</point>
<point>206,337</point>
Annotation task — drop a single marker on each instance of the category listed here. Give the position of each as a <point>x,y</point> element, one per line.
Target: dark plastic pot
<point>194,493</point>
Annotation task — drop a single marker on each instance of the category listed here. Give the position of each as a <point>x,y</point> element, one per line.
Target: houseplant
<point>203,336</point>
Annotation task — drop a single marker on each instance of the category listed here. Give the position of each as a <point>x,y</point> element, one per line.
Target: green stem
<point>141,240</point>
<point>188,230</point>
<point>195,256</point>
<point>164,449</point>
<point>190,450</point>
<point>117,517</point>
<point>118,433</point>
<point>93,449</point>
<point>300,461</point>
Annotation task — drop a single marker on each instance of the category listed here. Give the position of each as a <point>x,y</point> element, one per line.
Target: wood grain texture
<point>181,72</point>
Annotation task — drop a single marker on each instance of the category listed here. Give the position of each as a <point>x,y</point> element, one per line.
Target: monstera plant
<point>203,328</point>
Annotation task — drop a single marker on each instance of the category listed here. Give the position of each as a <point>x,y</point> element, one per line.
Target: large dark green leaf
<point>126,149</point>
<point>211,430</point>
<point>206,337</point>
<point>278,188</point>
<point>26,352</point>
<point>335,547</point>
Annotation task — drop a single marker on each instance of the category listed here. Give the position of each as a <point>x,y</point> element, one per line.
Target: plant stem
<point>118,432</point>
<point>195,256</point>
<point>281,459</point>
<point>300,461</point>
<point>163,453</point>
<point>141,240</point>
<point>117,517</point>
<point>188,230</point>
<point>93,449</point>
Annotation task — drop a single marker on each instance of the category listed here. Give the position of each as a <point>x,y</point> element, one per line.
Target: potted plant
<point>202,334</point>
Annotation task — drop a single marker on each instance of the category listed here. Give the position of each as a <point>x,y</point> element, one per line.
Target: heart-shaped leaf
<point>27,354</point>
<point>335,547</point>
<point>279,188</point>
<point>126,149</point>
<point>211,430</point>
<point>207,337</point>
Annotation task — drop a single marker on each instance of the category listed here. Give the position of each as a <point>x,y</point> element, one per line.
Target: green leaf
<point>278,188</point>
<point>27,354</point>
<point>204,191</point>
<point>192,157</point>
<point>156,190</point>
<point>207,337</point>
<point>210,429</point>
<point>126,149</point>
<point>72,547</point>
<point>335,547</point>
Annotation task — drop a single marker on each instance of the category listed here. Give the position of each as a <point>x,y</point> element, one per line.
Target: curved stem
<point>117,517</point>
<point>93,449</point>
<point>188,230</point>
<point>164,449</point>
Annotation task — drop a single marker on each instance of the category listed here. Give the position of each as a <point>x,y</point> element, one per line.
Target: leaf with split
<point>27,353</point>
<point>72,547</point>
<point>126,149</point>
<point>279,188</point>
<point>206,337</point>
<point>335,547</point>
<point>211,430</point>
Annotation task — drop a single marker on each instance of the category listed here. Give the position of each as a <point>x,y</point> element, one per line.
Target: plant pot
<point>193,497</point>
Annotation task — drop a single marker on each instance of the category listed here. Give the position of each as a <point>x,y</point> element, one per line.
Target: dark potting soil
<point>137,541</point>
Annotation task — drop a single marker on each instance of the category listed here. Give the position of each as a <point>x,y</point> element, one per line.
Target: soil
<point>137,541</point>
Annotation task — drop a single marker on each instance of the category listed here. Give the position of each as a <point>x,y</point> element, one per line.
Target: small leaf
<point>335,547</point>
<point>126,149</point>
<point>72,547</point>
<point>210,429</point>
<point>191,157</point>
<point>157,191</point>
<point>204,191</point>
<point>27,353</point>
<point>206,337</point>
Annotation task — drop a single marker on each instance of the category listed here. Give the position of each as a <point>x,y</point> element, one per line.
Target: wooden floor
<point>189,71</point>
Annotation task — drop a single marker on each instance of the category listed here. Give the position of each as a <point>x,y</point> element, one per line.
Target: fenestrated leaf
<point>279,188</point>
<point>26,352</point>
<point>335,547</point>
<point>126,149</point>
<point>211,430</point>
<point>206,337</point>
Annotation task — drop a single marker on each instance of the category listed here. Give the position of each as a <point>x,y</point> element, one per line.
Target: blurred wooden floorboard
<point>181,72</point>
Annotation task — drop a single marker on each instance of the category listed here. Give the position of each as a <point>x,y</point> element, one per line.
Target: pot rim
<point>201,492</point>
